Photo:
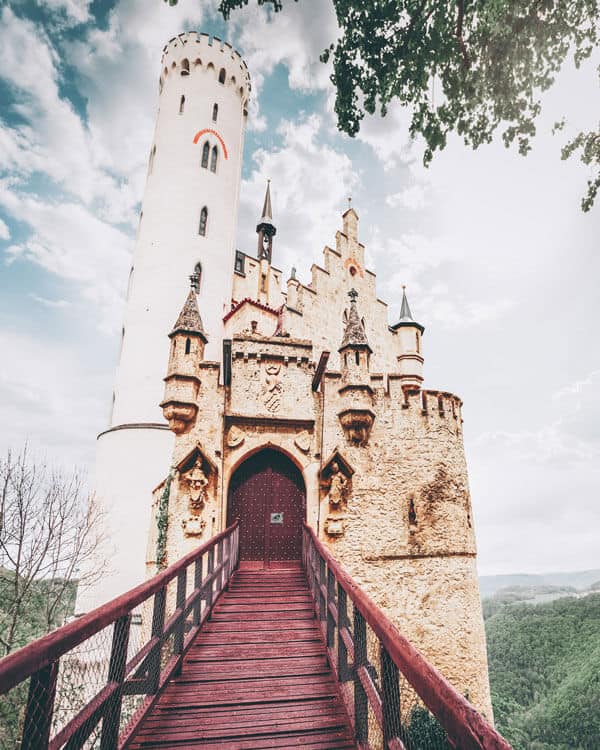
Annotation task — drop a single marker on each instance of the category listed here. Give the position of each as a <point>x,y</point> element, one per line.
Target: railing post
<point>219,566</point>
<point>390,697</point>
<point>210,567</point>
<point>178,631</point>
<point>158,625</point>
<point>40,708</point>
<point>330,602</point>
<point>321,584</point>
<point>361,705</point>
<point>116,673</point>
<point>227,557</point>
<point>197,585</point>
<point>343,622</point>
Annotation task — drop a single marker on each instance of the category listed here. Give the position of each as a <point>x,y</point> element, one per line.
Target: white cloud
<point>51,303</point>
<point>4,231</point>
<point>413,197</point>
<point>388,136</point>
<point>69,241</point>
<point>309,182</point>
<point>75,11</point>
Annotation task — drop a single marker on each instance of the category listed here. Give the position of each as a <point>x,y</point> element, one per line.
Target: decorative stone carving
<point>303,441</point>
<point>235,437</point>
<point>196,484</point>
<point>180,416</point>
<point>336,479</point>
<point>273,387</point>
<point>357,424</point>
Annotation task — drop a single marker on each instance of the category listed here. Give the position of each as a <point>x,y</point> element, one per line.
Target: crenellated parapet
<point>191,53</point>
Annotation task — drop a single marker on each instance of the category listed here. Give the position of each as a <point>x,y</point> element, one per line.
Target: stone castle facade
<point>307,381</point>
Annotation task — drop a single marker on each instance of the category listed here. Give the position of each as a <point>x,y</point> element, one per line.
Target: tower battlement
<point>189,53</point>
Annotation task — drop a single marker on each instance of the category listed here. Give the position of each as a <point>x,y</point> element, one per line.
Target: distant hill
<point>544,662</point>
<point>580,580</point>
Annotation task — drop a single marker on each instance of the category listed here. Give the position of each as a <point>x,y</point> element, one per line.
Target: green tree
<point>473,67</point>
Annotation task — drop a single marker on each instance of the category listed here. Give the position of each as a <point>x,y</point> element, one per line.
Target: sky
<point>501,265</point>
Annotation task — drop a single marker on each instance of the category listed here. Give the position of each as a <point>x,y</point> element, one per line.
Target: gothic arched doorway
<point>267,493</point>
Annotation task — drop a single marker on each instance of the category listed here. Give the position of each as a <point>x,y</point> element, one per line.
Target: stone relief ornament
<point>273,387</point>
<point>357,424</point>
<point>195,483</point>
<point>336,478</point>
<point>303,441</point>
<point>235,437</point>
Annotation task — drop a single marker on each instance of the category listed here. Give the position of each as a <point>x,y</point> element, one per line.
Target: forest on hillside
<point>544,662</point>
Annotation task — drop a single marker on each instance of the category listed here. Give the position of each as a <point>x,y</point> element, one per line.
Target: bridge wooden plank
<point>256,676</point>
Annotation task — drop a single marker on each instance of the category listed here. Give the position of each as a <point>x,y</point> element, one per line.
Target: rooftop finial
<point>354,335</point>
<point>195,282</point>
<point>265,228</point>
<point>353,294</point>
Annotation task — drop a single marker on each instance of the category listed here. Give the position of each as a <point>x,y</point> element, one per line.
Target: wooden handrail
<point>462,722</point>
<point>39,654</point>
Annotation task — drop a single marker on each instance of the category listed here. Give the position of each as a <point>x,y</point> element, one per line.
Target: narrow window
<point>222,75</point>
<point>412,513</point>
<point>357,357</point>
<point>263,282</point>
<point>185,67</point>
<point>205,153</point>
<point>239,261</point>
<point>181,104</point>
<point>215,112</point>
<point>174,345</point>
<point>346,359</point>
<point>152,155</point>
<point>203,220</point>
<point>188,344</point>
<point>196,277</point>
<point>418,343</point>
<point>213,159</point>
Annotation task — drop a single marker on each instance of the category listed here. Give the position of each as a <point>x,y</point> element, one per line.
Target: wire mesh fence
<point>395,699</point>
<point>90,683</point>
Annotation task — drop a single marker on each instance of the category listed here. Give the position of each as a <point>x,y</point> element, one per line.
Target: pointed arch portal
<point>268,494</point>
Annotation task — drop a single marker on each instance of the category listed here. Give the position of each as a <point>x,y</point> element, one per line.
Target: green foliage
<point>471,67</point>
<point>544,664</point>
<point>162,522</point>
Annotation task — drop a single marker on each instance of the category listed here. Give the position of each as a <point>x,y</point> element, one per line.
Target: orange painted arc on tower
<point>200,133</point>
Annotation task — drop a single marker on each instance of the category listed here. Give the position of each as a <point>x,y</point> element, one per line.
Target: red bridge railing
<point>395,698</point>
<point>91,682</point>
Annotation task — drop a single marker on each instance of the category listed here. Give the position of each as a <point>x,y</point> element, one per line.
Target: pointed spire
<point>354,334</point>
<point>406,318</point>
<point>189,320</point>
<point>265,228</point>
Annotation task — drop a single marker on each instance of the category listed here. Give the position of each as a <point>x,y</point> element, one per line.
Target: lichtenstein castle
<point>287,401</point>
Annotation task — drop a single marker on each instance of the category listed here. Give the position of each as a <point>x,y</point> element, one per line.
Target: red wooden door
<point>267,494</point>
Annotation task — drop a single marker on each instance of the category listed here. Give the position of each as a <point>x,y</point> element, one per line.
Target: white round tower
<point>187,225</point>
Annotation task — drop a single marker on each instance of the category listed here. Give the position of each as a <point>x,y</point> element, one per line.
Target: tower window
<point>188,345</point>
<point>205,153</point>
<point>152,155</point>
<point>418,343</point>
<point>239,261</point>
<point>222,75</point>
<point>203,222</point>
<point>213,159</point>
<point>185,67</point>
<point>196,278</point>
<point>181,104</point>
<point>357,357</point>
<point>412,513</point>
<point>215,112</point>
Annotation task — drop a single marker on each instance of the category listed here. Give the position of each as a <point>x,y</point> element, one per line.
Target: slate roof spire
<point>265,228</point>
<point>189,320</point>
<point>406,318</point>
<point>354,333</point>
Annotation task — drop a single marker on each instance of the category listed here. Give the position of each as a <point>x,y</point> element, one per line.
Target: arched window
<point>205,153</point>
<point>188,345</point>
<point>213,159</point>
<point>222,75</point>
<point>196,277</point>
<point>203,222</point>
<point>215,112</point>
<point>185,67</point>
<point>152,155</point>
<point>181,104</point>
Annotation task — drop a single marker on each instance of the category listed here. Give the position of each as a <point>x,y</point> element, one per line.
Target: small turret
<point>410,358</point>
<point>266,229</point>
<point>188,340</point>
<point>356,415</point>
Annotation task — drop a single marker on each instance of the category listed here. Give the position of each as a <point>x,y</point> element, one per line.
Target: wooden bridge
<point>210,654</point>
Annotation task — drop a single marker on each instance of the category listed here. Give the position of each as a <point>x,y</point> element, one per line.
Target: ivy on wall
<point>162,523</point>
